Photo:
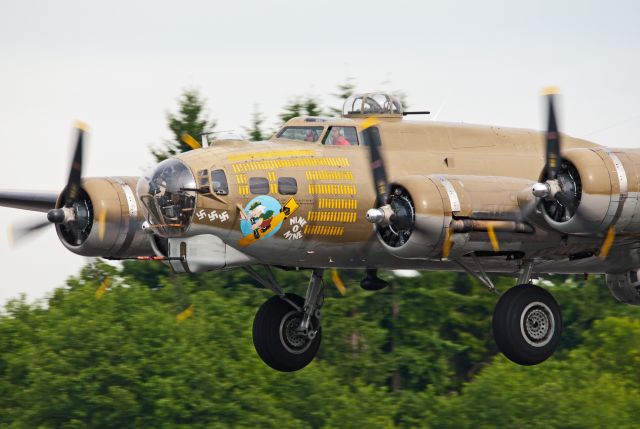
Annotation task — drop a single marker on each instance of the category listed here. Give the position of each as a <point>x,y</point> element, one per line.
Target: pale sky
<point>121,65</point>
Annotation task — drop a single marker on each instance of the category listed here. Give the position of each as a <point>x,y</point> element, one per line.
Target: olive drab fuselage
<point>303,204</point>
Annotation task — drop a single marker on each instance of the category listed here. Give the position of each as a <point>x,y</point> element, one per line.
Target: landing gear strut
<point>286,329</point>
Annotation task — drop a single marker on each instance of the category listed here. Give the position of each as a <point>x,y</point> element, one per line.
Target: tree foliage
<point>255,131</point>
<point>345,90</point>
<point>191,119</point>
<point>301,106</point>
<point>417,355</point>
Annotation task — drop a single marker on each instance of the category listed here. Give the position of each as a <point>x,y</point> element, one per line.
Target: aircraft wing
<point>34,201</point>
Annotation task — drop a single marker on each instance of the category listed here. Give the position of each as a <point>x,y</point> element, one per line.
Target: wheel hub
<point>537,324</point>
<point>294,340</point>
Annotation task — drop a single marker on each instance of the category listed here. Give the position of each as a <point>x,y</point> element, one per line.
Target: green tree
<point>191,119</point>
<point>301,106</point>
<point>345,90</point>
<point>255,131</point>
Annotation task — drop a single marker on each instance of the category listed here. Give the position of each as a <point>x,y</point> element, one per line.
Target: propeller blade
<point>607,244</point>
<point>446,245</point>
<point>75,173</point>
<point>17,234</point>
<point>35,201</point>
<point>552,137</point>
<point>492,237</point>
<point>371,137</point>
<point>337,281</point>
<point>190,141</point>
<point>102,289</point>
<point>185,314</point>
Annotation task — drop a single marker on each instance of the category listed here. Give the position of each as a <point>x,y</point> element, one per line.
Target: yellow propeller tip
<point>369,122</point>
<point>550,90</point>
<point>81,126</point>
<point>493,239</point>
<point>607,244</point>
<point>190,141</point>
<point>185,314</point>
<point>337,281</point>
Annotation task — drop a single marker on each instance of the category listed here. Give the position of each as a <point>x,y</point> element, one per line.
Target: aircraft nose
<point>168,194</point>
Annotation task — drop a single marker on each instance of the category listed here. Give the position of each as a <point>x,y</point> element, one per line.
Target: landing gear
<point>286,329</point>
<point>527,324</point>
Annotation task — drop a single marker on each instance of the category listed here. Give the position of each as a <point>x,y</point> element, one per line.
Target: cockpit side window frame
<point>351,136</point>
<point>319,130</point>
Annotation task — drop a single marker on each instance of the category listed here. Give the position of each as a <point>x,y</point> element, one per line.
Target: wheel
<point>275,337</point>
<point>527,324</point>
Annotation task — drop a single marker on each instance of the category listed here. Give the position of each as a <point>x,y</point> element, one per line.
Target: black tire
<point>527,324</point>
<point>278,347</point>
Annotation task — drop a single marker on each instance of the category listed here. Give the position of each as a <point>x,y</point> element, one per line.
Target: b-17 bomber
<point>371,190</point>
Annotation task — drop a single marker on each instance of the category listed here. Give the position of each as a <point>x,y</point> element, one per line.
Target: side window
<point>305,134</point>
<point>287,186</point>
<point>203,178</point>
<point>259,185</point>
<point>341,136</point>
<point>219,183</point>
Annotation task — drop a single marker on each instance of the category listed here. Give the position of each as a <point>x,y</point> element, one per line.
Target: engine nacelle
<point>625,287</point>
<point>112,220</point>
<point>600,182</point>
<point>417,198</point>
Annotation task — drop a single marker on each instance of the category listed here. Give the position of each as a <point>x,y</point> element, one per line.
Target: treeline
<point>419,354</point>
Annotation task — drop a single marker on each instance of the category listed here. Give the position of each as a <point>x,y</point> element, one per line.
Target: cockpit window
<point>259,185</point>
<point>219,183</point>
<point>341,136</point>
<point>168,195</point>
<point>305,134</point>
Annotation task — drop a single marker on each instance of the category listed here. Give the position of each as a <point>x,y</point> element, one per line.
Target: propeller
<point>74,215</point>
<point>559,193</point>
<point>389,211</point>
<point>371,136</point>
<point>17,233</point>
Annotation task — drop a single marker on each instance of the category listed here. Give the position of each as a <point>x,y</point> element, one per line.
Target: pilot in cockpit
<point>336,138</point>
<point>312,135</point>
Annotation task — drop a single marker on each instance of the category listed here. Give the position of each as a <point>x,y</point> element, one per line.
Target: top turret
<point>376,104</point>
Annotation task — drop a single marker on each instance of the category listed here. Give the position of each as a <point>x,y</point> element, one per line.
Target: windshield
<point>168,195</point>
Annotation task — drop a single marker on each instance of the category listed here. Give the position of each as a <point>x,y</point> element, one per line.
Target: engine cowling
<point>596,184</point>
<point>109,220</point>
<point>418,201</point>
<point>625,287</point>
